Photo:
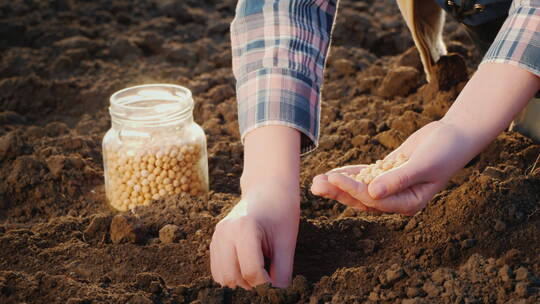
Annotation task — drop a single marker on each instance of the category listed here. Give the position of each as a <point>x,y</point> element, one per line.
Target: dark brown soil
<point>476,242</point>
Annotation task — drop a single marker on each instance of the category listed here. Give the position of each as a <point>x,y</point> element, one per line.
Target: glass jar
<point>154,149</point>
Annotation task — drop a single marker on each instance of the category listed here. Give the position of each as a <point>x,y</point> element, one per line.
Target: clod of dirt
<point>522,274</point>
<point>150,43</point>
<point>360,127</point>
<point>391,139</point>
<point>209,295</point>
<point>441,275</point>
<point>221,92</point>
<point>11,145</point>
<point>360,140</point>
<point>399,82</point>
<point>138,299</point>
<point>34,132</point>
<point>178,53</point>
<point>150,282</point>
<point>124,48</point>
<point>450,70</point>
<point>411,58</point>
<point>174,9</point>
<point>75,161</point>
<point>300,285</point>
<point>431,289</point>
<point>344,67</point>
<point>522,289</point>
<point>25,172</point>
<point>369,84</point>
<point>513,257</point>
<point>126,229</point>
<point>55,164</point>
<point>469,243</point>
<point>56,128</point>
<point>99,226</point>
<point>411,292</point>
<point>505,273</point>
<point>392,275</point>
<point>409,122</point>
<point>499,226</point>
<point>170,234</point>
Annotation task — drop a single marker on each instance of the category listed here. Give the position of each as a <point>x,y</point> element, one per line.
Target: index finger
<point>251,259</point>
<point>405,202</point>
<point>322,187</point>
<point>228,272</point>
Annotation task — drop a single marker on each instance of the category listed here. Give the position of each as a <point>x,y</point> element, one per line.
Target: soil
<point>478,241</point>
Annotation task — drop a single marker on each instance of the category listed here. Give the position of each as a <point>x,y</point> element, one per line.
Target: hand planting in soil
<point>137,179</point>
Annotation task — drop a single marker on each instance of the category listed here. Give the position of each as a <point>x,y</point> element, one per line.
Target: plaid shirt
<point>518,41</point>
<point>279,51</point>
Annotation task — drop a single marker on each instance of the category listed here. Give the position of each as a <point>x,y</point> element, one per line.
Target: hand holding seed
<point>399,184</point>
<point>347,184</point>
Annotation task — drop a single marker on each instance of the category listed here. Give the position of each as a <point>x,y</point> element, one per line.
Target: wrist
<point>451,146</point>
<point>277,189</point>
<point>253,179</point>
<point>471,137</point>
<point>268,200</point>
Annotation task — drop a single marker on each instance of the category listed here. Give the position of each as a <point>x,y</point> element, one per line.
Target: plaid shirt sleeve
<point>279,51</point>
<point>518,41</point>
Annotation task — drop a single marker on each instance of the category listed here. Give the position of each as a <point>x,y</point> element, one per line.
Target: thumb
<point>282,265</point>
<point>394,181</point>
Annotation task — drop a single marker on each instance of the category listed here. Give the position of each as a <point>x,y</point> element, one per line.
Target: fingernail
<point>379,190</point>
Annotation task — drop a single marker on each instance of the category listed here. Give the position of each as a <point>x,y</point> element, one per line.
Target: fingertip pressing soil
<point>478,241</point>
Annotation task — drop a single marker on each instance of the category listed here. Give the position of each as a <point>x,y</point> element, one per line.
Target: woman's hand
<point>265,221</point>
<point>485,107</point>
<point>435,152</point>
<point>263,224</point>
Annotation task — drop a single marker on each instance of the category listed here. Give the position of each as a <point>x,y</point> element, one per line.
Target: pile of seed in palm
<point>369,173</point>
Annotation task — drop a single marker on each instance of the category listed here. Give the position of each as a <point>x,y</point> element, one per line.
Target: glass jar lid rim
<point>186,96</point>
<point>162,102</point>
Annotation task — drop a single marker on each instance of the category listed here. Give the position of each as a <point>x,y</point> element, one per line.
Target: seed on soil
<point>368,174</point>
<point>134,178</point>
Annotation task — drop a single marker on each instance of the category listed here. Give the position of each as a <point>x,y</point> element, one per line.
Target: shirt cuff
<point>276,96</point>
<point>518,41</point>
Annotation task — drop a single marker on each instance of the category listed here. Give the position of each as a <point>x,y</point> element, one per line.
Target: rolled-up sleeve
<point>518,41</point>
<point>279,51</point>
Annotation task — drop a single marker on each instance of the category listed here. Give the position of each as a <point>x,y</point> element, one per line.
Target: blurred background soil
<point>476,242</point>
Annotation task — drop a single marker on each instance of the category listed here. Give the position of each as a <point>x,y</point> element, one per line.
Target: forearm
<point>488,103</point>
<point>271,156</point>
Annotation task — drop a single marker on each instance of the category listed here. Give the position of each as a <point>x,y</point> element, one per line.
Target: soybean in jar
<point>154,149</point>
